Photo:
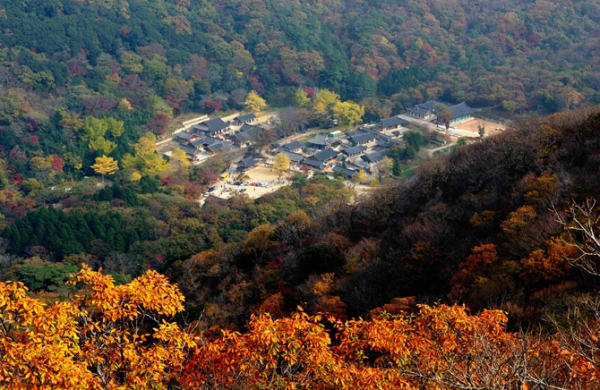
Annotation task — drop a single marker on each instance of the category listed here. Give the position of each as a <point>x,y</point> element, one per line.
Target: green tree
<point>413,138</point>
<point>397,168</point>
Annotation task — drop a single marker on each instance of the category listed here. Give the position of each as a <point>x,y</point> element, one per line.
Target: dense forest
<point>478,271</point>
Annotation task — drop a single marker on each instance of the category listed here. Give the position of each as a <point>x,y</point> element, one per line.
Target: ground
<point>491,128</point>
<point>259,174</point>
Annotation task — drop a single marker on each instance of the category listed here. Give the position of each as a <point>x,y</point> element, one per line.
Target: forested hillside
<point>522,55</point>
<point>487,225</point>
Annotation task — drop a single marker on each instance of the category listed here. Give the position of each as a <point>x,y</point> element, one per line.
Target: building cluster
<point>346,153</point>
<point>215,135</point>
<point>433,110</point>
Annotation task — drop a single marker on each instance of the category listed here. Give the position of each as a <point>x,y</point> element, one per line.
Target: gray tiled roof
<point>184,135</point>
<point>354,150</point>
<point>294,157</point>
<point>374,157</point>
<point>246,117</point>
<point>347,171</point>
<point>247,162</point>
<point>392,122</point>
<point>189,150</point>
<point>326,155</point>
<point>312,162</point>
<point>246,128</point>
<point>293,145</point>
<point>361,138</point>
<point>460,110</point>
<point>213,125</point>
<point>320,140</point>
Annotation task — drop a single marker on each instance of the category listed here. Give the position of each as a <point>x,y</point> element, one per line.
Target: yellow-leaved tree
<point>348,113</point>
<point>324,102</point>
<point>281,163</point>
<point>105,166</point>
<point>255,103</point>
<point>180,157</point>
<point>107,337</point>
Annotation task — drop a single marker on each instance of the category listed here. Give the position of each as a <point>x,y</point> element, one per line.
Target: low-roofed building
<point>211,127</point>
<point>354,151</point>
<point>326,155</point>
<point>185,137</point>
<point>374,157</point>
<point>362,139</point>
<point>314,163</point>
<point>384,143</point>
<point>460,112</point>
<point>348,172</point>
<point>222,146</point>
<point>319,142</point>
<point>191,152</point>
<point>246,118</point>
<point>392,123</point>
<point>294,147</point>
<point>295,158</point>
<point>246,164</point>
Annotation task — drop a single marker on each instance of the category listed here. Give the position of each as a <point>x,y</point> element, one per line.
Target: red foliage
<point>33,125</point>
<point>18,154</point>
<point>534,39</point>
<point>166,180</point>
<point>33,140</point>
<point>207,177</point>
<point>131,83</point>
<point>176,102</point>
<point>17,179</point>
<point>57,163</point>
<point>210,106</point>
<point>158,124</point>
<point>77,70</point>
<point>310,92</point>
<point>99,105</point>
<point>256,84</point>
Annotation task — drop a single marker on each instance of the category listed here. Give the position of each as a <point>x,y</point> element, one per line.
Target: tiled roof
<point>361,138</point>
<point>392,122</point>
<point>374,157</point>
<point>460,110</point>
<point>246,117</point>
<point>326,155</point>
<point>294,157</point>
<point>354,150</point>
<point>320,140</point>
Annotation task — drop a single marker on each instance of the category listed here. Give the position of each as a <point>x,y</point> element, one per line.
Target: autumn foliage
<point>124,337</point>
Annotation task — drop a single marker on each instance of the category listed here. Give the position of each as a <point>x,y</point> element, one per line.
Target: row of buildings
<point>215,135</point>
<point>348,153</point>
<point>431,110</point>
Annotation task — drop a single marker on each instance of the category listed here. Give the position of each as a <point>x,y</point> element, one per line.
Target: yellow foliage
<point>105,166</point>
<point>135,176</point>
<point>180,157</point>
<point>324,101</point>
<point>255,103</point>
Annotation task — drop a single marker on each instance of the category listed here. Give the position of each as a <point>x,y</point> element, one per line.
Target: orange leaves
<point>518,220</point>
<point>474,267</point>
<point>550,264</point>
<point>438,348</point>
<point>110,337</point>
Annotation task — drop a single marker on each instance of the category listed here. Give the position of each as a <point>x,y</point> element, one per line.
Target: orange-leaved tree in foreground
<point>118,337</point>
<point>108,337</point>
